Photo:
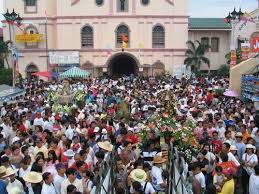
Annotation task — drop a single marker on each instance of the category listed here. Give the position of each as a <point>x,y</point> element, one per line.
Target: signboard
<point>255,44</point>
<point>245,47</point>
<point>69,57</point>
<point>233,58</point>
<point>181,70</point>
<point>28,38</point>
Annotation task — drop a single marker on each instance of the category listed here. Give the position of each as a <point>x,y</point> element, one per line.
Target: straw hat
<point>233,148</point>
<point>105,145</point>
<point>69,153</point>
<point>138,175</point>
<point>158,160</point>
<point>239,134</point>
<point>33,177</point>
<point>250,146</point>
<point>9,171</point>
<point>2,169</point>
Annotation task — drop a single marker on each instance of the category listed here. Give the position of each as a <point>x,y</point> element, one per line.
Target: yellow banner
<point>28,38</point>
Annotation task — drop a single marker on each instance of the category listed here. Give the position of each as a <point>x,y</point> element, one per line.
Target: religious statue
<point>65,94</point>
<point>65,89</point>
<point>167,100</point>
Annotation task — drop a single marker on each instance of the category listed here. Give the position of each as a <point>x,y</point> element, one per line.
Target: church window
<point>87,37</point>
<point>122,5</point>
<point>158,37</point>
<point>30,2</point>
<point>122,31</point>
<point>99,2</point>
<point>205,41</point>
<point>214,44</point>
<point>145,2</point>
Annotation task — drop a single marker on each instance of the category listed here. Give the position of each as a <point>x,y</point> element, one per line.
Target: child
<point>218,179</point>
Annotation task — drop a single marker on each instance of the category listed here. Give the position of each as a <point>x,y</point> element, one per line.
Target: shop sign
<point>68,57</point>
<point>245,47</point>
<point>255,44</point>
<point>28,38</point>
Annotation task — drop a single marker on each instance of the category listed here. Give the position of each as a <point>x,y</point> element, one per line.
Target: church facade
<point>114,37</point>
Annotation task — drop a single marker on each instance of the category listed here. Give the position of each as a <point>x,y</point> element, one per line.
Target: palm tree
<point>4,51</point>
<point>195,55</point>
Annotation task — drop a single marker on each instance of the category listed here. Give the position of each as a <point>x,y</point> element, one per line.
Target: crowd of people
<point>47,152</point>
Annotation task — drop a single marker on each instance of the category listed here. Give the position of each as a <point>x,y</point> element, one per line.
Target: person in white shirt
<point>231,157</point>
<point>25,168</point>
<point>249,161</point>
<point>38,120</point>
<point>70,131</point>
<point>254,181</point>
<point>48,186</point>
<point>60,177</point>
<point>11,173</point>
<point>71,180</point>
<point>198,175</point>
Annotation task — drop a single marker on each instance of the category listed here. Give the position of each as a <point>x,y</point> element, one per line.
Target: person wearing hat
<point>33,180</point>
<point>70,157</point>
<point>156,173</point>
<point>60,177</point>
<point>140,176</point>
<point>241,147</point>
<point>249,161</point>
<point>13,182</point>
<point>2,182</point>
<point>107,148</point>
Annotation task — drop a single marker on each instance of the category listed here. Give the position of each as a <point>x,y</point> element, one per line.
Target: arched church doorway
<point>31,68</point>
<point>122,64</point>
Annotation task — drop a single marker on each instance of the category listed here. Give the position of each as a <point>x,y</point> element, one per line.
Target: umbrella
<point>43,74</point>
<point>230,93</point>
<point>75,72</point>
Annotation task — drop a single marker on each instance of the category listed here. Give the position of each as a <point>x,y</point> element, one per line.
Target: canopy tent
<point>230,93</point>
<point>47,74</point>
<point>8,93</point>
<point>75,72</point>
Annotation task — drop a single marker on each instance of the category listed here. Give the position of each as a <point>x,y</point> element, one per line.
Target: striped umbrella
<point>75,72</point>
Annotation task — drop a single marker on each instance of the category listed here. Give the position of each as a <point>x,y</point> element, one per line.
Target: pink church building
<point>88,33</point>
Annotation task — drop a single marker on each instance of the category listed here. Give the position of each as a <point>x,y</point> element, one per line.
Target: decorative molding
<point>106,50</point>
<point>141,22</point>
<point>95,22</point>
<point>106,17</point>
<point>149,22</point>
<point>60,23</point>
<point>43,24</point>
<point>167,22</point>
<point>180,22</point>
<point>104,22</point>
<point>78,23</point>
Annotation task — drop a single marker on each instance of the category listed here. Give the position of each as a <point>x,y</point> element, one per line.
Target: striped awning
<point>75,72</point>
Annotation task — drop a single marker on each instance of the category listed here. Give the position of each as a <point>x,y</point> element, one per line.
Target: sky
<point>219,8</point>
<point>206,8</point>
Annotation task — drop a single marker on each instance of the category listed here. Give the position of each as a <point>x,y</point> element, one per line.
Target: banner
<point>68,57</point>
<point>28,38</point>
<point>233,58</point>
<point>255,44</point>
<point>245,47</point>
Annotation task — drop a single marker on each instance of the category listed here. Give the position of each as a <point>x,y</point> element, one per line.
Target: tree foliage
<point>4,52</point>
<point>6,76</point>
<point>195,55</point>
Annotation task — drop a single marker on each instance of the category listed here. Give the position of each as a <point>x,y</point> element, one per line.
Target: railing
<point>106,177</point>
<point>177,172</point>
<point>177,180</point>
